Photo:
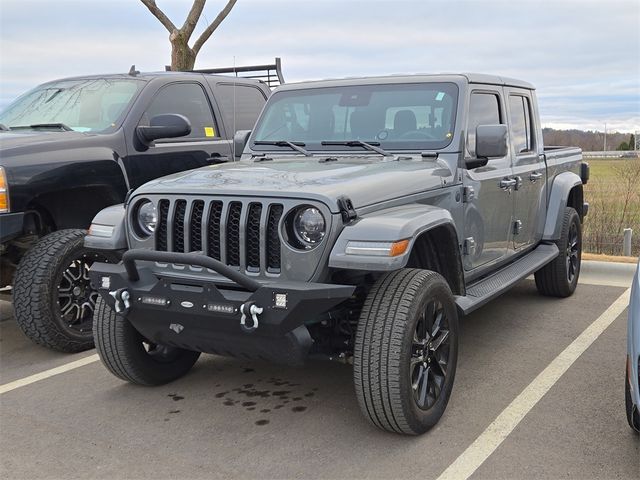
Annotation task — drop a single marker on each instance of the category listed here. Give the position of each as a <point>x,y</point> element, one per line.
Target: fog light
<point>280,300</point>
<point>157,301</point>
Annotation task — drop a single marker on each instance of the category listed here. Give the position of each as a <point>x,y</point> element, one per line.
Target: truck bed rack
<point>270,74</point>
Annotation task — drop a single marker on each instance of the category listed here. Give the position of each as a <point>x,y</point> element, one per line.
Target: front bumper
<point>11,226</point>
<point>206,316</point>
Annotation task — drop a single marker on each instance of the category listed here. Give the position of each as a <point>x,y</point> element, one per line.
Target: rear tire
<point>130,357</point>
<point>406,351</point>
<point>559,278</point>
<point>52,297</point>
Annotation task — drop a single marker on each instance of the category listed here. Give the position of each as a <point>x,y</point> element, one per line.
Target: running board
<point>499,282</point>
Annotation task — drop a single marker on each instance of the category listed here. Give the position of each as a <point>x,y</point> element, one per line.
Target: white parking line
<point>489,440</point>
<point>23,382</point>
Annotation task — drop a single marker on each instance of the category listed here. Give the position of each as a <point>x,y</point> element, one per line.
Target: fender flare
<point>562,185</point>
<point>108,229</point>
<point>406,222</point>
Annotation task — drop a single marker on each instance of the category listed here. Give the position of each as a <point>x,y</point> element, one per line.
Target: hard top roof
<point>472,78</point>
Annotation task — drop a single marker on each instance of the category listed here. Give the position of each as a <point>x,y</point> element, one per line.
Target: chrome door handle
<point>535,176</point>
<point>508,183</point>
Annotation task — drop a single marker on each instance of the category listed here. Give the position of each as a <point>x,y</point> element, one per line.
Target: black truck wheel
<point>559,278</point>
<point>406,351</point>
<point>131,357</point>
<point>52,297</point>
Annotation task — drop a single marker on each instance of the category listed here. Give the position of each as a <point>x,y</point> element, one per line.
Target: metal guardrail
<point>612,154</point>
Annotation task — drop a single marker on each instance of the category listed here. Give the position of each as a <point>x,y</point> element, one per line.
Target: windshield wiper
<point>59,126</point>
<point>373,146</point>
<point>284,143</point>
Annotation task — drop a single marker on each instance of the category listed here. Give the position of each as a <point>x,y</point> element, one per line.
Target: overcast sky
<point>582,55</point>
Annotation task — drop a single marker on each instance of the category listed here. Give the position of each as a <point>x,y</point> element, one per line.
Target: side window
<point>484,109</point>
<point>186,99</point>
<point>521,126</point>
<point>248,105</point>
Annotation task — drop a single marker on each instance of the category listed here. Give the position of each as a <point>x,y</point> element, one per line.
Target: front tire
<point>131,357</point>
<point>406,351</point>
<point>559,278</point>
<point>52,297</point>
<point>633,415</point>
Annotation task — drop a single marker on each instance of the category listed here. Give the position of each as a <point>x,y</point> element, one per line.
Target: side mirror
<point>491,142</point>
<point>169,125</point>
<point>240,140</point>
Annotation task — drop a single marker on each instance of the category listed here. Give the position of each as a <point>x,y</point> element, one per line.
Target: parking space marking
<point>475,455</point>
<point>23,382</point>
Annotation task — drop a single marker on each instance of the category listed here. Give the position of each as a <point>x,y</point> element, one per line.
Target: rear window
<point>241,105</point>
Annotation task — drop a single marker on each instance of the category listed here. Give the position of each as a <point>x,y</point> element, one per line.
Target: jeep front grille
<point>239,234</point>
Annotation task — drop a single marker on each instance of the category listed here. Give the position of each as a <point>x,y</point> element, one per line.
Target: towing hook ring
<point>121,297</point>
<point>250,309</point>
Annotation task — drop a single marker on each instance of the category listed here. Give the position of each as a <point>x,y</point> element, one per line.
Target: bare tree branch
<point>212,27</point>
<point>193,17</point>
<point>159,14</point>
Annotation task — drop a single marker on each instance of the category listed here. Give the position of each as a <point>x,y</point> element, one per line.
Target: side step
<point>499,282</point>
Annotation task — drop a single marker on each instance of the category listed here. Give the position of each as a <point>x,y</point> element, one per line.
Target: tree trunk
<point>183,58</point>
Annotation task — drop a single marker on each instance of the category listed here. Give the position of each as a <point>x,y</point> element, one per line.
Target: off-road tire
<point>35,302</point>
<point>121,349</point>
<point>383,350</point>
<point>553,279</point>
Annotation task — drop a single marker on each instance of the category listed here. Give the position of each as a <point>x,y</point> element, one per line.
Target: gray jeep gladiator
<point>361,219</point>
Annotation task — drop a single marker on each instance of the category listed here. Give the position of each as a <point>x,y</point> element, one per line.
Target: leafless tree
<point>183,57</point>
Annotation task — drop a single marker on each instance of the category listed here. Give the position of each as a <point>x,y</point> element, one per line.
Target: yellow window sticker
<point>209,132</point>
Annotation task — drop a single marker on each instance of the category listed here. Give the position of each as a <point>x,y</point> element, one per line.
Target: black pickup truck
<point>71,147</point>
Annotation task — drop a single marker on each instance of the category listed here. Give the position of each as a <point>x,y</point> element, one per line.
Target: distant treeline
<point>589,141</point>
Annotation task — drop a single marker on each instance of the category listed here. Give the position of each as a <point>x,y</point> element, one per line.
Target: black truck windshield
<point>402,116</point>
<point>83,105</point>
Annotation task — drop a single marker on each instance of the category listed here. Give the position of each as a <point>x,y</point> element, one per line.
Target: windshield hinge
<point>347,211</point>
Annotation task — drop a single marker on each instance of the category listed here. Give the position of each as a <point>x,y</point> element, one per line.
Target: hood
<point>365,180</point>
<point>14,142</point>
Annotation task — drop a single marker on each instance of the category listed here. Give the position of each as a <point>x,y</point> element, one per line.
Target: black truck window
<point>186,99</point>
<point>248,102</point>
<point>484,109</point>
<point>521,127</point>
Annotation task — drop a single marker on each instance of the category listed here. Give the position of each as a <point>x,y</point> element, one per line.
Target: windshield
<point>84,105</point>
<point>395,117</point>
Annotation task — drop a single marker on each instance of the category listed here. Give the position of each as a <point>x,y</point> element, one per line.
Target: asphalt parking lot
<point>237,419</point>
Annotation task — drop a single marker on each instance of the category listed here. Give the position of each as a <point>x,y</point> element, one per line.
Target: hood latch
<point>347,211</point>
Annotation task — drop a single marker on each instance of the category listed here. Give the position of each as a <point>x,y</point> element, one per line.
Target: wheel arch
<point>566,190</point>
<point>433,242</point>
<point>437,249</point>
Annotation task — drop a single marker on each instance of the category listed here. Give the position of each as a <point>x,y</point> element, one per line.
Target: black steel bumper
<point>11,225</point>
<point>206,315</point>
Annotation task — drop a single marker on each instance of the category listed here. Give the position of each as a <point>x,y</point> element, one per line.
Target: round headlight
<point>147,217</point>
<point>309,226</point>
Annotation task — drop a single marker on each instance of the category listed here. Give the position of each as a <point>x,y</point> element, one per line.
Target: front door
<point>203,146</point>
<point>529,170</point>
<point>488,212</point>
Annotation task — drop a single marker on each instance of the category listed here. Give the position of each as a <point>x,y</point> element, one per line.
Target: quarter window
<point>520,116</point>
<point>484,109</point>
<point>186,99</point>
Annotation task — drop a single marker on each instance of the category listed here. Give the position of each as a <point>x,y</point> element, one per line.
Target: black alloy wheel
<point>429,355</point>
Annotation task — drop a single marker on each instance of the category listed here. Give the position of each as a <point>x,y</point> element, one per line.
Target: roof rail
<point>270,74</point>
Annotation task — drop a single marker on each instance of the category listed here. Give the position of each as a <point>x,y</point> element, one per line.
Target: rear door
<point>205,145</point>
<point>488,211</point>
<point>528,169</point>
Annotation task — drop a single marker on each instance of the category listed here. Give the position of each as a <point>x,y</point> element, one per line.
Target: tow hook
<point>121,296</point>
<point>252,310</point>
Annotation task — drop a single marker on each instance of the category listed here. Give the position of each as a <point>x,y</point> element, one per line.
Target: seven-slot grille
<point>239,234</point>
